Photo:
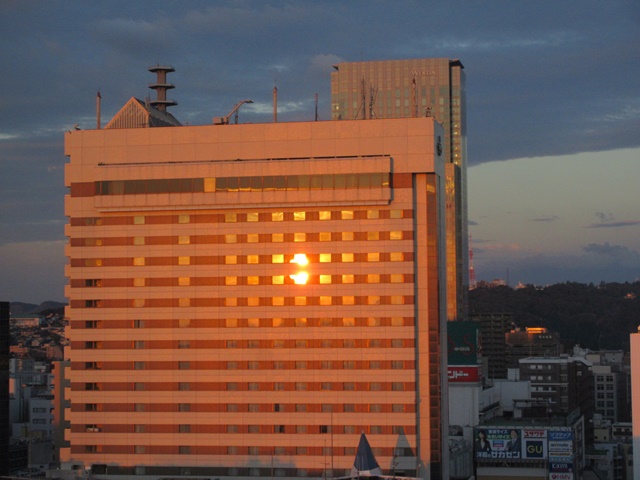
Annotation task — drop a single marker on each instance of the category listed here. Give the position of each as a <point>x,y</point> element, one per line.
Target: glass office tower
<point>417,88</point>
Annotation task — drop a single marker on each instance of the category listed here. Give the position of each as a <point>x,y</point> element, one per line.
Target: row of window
<point>609,395</point>
<point>241,407</point>
<point>262,365</point>
<point>322,300</point>
<point>265,183</point>
<point>242,386</point>
<point>249,322</point>
<point>235,238</point>
<point>242,450</point>
<point>233,280</point>
<point>278,258</point>
<point>235,472</point>
<point>251,428</point>
<point>268,344</point>
<point>235,217</point>
<point>608,386</point>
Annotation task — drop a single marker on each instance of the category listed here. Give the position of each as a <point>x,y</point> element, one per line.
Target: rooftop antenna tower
<point>161,86</point>
<point>373,93</point>
<point>316,102</point>
<point>98,101</point>
<point>275,104</point>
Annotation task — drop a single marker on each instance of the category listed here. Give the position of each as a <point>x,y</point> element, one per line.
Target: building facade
<point>561,385</point>
<point>418,88</point>
<point>635,398</point>
<point>246,300</point>
<point>611,385</point>
<point>530,342</point>
<point>5,423</point>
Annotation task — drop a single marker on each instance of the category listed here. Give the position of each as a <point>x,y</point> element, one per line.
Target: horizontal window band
<point>231,260</point>
<point>242,217</point>
<point>249,366</point>
<point>224,344</point>
<point>232,302</point>
<point>241,323</point>
<point>232,184</point>
<point>209,407</point>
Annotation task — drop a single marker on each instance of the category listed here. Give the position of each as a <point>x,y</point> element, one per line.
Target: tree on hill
<point>592,316</point>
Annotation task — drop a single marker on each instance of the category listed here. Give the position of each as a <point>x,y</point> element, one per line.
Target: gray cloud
<point>619,253</point>
<point>551,218</point>
<point>604,217</point>
<point>542,79</point>
<point>613,224</point>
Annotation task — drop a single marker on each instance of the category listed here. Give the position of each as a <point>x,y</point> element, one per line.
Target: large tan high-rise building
<point>246,300</point>
<point>417,88</point>
<point>635,398</point>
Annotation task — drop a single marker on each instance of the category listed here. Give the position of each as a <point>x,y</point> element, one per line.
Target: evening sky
<point>553,110</point>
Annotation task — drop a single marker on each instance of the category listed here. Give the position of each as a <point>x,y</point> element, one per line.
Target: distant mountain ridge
<point>21,308</point>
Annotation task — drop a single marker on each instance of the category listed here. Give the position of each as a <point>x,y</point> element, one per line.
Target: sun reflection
<point>300,278</point>
<point>301,259</point>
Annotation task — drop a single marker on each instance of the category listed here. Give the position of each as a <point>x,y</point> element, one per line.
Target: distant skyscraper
<point>5,430</point>
<point>247,300</point>
<point>493,327</point>
<point>417,88</point>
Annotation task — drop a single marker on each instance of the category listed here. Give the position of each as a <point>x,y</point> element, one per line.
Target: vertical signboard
<point>463,348</point>
<point>560,447</point>
<point>463,340</point>
<point>534,444</point>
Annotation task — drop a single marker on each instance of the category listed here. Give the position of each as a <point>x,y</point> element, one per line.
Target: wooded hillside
<point>592,316</point>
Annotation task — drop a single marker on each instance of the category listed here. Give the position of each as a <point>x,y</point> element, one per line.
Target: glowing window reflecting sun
<point>301,259</point>
<point>300,278</point>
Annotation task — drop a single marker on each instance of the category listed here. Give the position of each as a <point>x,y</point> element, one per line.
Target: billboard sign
<point>534,444</point>
<point>493,443</point>
<point>560,435</point>
<point>463,340</point>
<point>461,374</point>
<point>560,476</point>
<point>560,447</point>
<point>565,467</point>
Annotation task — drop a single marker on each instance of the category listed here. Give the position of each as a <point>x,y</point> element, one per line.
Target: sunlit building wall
<point>417,88</point>
<point>246,300</point>
<point>635,398</point>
